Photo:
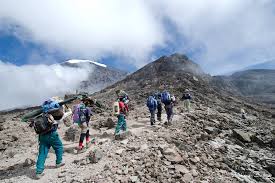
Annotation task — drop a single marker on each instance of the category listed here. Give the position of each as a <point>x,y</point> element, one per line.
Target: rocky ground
<point>201,146</point>
<point>212,143</point>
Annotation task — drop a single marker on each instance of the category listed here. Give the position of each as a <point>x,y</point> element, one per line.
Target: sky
<point>221,35</point>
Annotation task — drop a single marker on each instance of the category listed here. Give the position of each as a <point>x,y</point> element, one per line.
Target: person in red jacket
<point>121,124</point>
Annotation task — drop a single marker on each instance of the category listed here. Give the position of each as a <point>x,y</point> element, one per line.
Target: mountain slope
<point>265,65</point>
<point>257,84</point>
<point>100,76</point>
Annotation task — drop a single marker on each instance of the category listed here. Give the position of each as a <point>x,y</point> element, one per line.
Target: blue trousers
<point>121,124</point>
<point>45,143</point>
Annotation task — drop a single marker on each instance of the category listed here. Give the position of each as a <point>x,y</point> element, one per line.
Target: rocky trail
<point>197,147</point>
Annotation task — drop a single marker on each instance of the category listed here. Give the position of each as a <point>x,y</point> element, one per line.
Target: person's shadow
<point>16,171</point>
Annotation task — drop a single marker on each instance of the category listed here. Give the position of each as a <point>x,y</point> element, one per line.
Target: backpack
<point>116,109</point>
<point>166,98</point>
<point>151,103</point>
<point>52,107</point>
<point>80,114</point>
<point>43,123</point>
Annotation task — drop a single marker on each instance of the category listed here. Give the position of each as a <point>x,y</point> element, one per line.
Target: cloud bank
<point>32,84</point>
<point>227,34</point>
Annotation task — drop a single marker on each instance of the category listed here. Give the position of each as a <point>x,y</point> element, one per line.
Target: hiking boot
<point>39,175</point>
<point>59,165</point>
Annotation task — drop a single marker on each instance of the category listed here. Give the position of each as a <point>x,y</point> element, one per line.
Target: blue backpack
<point>166,98</point>
<point>151,103</point>
<point>50,105</point>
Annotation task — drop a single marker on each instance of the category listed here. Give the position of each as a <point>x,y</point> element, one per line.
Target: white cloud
<point>31,85</point>
<point>232,33</point>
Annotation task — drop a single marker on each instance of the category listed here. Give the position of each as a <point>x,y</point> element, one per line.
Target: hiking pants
<point>45,143</point>
<point>159,107</point>
<point>187,104</point>
<point>121,123</point>
<point>85,132</point>
<point>169,112</point>
<point>152,118</point>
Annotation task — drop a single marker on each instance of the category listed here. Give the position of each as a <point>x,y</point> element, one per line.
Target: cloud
<point>228,33</point>
<point>32,84</point>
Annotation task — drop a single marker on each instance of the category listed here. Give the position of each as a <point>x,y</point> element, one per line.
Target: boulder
<point>242,135</point>
<point>110,123</point>
<point>134,178</point>
<point>120,151</point>
<point>212,130</point>
<point>72,133</point>
<point>14,138</point>
<point>172,155</point>
<point>95,155</point>
<point>187,177</point>
<point>181,169</point>
<point>28,162</point>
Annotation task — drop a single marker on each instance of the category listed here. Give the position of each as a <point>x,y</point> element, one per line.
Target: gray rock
<point>187,177</point>
<point>72,133</point>
<point>120,151</point>
<point>181,169</point>
<point>144,147</point>
<point>124,141</point>
<point>172,155</point>
<point>14,138</point>
<point>110,123</point>
<point>242,135</point>
<point>28,162</point>
<point>95,155</point>
<point>212,130</point>
<point>134,178</point>
<point>194,173</point>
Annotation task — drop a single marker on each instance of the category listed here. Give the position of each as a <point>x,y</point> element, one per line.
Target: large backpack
<point>80,114</point>
<point>43,123</point>
<point>52,107</point>
<point>151,103</point>
<point>166,98</point>
<point>116,109</point>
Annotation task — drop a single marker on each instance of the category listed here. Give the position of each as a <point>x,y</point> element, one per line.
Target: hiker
<point>186,100</point>
<point>121,94</point>
<point>120,111</point>
<point>152,106</point>
<point>159,106</point>
<point>46,125</point>
<point>243,113</point>
<point>168,100</point>
<point>81,116</point>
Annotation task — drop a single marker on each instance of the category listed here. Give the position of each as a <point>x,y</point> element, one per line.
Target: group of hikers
<point>54,112</point>
<point>155,101</point>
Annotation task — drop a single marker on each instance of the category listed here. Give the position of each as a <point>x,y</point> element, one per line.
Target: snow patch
<point>75,61</point>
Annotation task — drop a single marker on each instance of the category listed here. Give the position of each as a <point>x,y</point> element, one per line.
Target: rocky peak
<point>174,64</point>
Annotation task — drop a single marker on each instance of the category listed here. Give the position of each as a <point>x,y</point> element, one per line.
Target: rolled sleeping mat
<point>32,114</point>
